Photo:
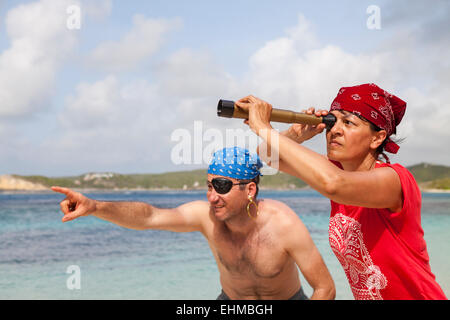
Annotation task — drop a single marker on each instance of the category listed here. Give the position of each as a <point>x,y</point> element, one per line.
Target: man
<point>257,244</point>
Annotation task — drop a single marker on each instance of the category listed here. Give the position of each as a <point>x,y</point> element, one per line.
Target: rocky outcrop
<point>8,182</point>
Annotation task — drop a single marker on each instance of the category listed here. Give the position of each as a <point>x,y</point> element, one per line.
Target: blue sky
<point>109,96</point>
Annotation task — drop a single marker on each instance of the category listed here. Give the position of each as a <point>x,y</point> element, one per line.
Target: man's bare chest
<point>257,256</point>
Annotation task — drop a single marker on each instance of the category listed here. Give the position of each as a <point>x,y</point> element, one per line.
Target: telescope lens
<point>225,108</point>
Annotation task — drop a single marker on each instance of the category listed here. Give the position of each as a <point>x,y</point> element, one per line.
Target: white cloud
<point>95,105</point>
<point>425,125</point>
<point>109,123</point>
<point>113,124</point>
<point>110,118</point>
<point>113,106</point>
<point>142,41</point>
<point>40,42</point>
<point>296,72</point>
<point>192,73</point>
<point>302,35</point>
<point>290,75</point>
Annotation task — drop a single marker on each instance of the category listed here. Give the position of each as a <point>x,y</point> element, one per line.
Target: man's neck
<point>242,224</point>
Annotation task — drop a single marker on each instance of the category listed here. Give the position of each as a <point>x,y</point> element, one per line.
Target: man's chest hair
<point>256,255</point>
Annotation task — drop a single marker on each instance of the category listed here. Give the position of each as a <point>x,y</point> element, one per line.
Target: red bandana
<point>375,105</point>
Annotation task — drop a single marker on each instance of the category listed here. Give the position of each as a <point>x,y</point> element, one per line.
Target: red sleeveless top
<point>384,254</point>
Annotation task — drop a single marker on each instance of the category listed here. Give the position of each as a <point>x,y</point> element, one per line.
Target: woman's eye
<point>348,122</point>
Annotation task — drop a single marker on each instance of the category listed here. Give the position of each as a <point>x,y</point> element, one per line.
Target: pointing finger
<point>61,190</point>
<point>69,193</point>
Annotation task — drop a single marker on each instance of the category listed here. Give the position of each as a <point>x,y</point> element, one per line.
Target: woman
<point>375,228</point>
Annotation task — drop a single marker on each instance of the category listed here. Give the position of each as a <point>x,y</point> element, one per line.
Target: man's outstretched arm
<point>134,215</point>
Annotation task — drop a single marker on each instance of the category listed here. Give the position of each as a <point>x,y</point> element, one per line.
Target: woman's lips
<point>334,143</point>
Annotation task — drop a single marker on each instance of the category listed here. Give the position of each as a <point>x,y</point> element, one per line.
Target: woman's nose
<point>337,128</point>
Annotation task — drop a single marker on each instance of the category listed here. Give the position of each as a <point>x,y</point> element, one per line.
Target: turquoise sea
<point>37,250</point>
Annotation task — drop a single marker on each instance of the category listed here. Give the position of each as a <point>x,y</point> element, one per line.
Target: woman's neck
<point>364,164</point>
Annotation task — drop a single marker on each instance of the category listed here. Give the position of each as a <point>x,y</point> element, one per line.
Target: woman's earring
<point>250,198</point>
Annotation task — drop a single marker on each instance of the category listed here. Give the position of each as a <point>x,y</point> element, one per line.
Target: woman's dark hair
<point>380,149</point>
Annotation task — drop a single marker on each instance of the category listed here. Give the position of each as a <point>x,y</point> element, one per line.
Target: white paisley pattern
<point>346,240</point>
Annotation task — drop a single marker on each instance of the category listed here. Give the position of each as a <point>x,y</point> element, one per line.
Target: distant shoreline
<point>91,190</point>
<point>430,179</point>
<point>435,190</point>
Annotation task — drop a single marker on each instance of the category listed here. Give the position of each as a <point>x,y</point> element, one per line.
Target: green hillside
<point>172,180</point>
<point>428,176</point>
<point>424,172</point>
<point>443,184</point>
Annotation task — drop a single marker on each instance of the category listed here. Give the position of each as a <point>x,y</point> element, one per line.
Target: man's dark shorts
<point>299,295</point>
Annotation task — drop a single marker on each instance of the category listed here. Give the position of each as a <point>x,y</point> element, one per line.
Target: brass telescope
<point>228,109</point>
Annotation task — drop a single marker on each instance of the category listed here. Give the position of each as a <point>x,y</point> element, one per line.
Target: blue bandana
<point>235,163</point>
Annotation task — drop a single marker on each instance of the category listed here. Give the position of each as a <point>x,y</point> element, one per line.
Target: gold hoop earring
<point>250,198</point>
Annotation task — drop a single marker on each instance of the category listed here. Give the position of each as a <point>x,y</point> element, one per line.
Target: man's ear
<point>252,189</point>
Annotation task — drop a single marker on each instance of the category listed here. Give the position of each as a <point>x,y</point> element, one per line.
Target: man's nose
<point>213,196</point>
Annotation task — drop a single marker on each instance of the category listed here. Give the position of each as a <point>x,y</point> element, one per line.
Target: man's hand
<point>75,205</point>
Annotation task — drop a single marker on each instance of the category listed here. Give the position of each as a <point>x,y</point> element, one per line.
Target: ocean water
<point>37,250</point>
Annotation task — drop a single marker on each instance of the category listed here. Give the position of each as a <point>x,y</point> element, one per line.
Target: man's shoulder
<point>279,209</point>
<point>197,206</point>
<point>284,222</point>
<point>272,204</point>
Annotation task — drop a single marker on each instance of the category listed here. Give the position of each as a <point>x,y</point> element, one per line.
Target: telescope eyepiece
<point>329,120</point>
